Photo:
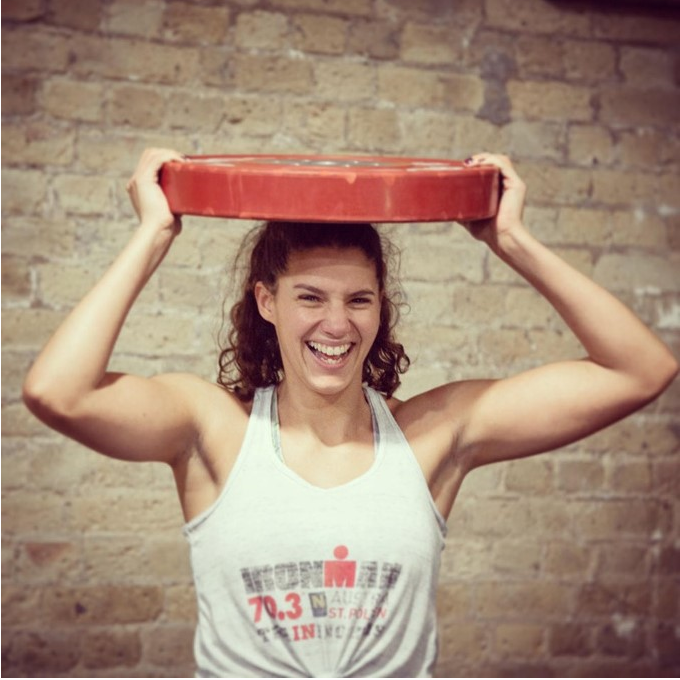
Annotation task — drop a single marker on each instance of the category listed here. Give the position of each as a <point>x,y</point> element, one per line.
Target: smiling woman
<point>325,328</point>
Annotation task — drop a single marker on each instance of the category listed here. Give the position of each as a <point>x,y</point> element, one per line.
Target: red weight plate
<point>331,188</point>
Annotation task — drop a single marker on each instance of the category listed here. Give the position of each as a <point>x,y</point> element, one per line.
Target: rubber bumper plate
<point>330,188</point>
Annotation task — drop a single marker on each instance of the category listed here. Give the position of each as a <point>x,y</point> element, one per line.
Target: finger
<point>152,160</point>
<point>480,158</point>
<point>503,163</point>
<point>160,156</point>
<point>510,177</point>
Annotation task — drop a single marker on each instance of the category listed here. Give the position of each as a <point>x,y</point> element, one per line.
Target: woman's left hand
<point>509,215</point>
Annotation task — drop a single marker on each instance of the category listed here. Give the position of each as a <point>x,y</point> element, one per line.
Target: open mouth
<point>330,354</point>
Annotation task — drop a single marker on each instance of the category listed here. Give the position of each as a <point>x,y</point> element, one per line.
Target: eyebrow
<point>318,291</point>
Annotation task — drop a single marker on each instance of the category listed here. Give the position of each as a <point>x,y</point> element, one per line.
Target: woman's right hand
<point>146,194</point>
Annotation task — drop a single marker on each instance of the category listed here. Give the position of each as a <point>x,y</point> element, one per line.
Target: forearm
<point>75,359</point>
<point>611,334</point>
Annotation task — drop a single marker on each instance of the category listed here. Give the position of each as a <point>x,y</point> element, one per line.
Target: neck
<point>332,418</point>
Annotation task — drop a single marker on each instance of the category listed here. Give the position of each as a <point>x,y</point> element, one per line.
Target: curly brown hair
<point>251,358</point>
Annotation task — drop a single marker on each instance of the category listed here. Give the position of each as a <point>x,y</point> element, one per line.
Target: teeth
<point>328,350</point>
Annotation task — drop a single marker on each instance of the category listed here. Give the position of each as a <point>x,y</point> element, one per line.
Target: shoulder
<point>432,401</point>
<point>203,397</point>
<point>441,412</point>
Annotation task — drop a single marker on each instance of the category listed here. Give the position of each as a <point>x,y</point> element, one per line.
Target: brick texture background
<point>565,564</point>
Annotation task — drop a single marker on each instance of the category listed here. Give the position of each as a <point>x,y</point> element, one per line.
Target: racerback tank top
<point>293,580</point>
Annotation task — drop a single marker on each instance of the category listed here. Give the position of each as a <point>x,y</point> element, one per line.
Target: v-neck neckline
<point>280,461</point>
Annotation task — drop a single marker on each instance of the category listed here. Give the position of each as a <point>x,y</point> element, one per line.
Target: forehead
<point>349,265</point>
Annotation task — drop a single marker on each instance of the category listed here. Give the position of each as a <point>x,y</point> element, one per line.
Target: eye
<point>361,301</point>
<point>309,297</point>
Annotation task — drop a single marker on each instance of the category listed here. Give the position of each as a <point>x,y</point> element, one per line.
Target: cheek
<point>294,323</point>
<point>371,326</point>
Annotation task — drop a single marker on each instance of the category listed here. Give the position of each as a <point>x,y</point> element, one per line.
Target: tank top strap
<point>401,461</point>
<point>384,426</point>
<point>262,402</point>
<point>263,421</point>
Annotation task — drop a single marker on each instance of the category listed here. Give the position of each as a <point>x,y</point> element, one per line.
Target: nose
<point>336,322</point>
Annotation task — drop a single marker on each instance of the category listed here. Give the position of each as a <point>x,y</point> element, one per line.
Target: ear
<point>265,301</point>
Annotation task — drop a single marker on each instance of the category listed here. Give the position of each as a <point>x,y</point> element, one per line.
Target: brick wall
<point>566,564</point>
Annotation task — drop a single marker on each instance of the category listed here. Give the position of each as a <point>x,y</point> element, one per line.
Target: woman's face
<point>326,311</point>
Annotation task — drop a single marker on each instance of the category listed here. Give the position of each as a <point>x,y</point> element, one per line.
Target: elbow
<point>32,395</point>
<point>45,401</point>
<point>36,398</point>
<point>673,370</point>
<point>663,373</point>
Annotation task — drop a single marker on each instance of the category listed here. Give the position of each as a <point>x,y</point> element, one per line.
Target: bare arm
<point>625,364</point>
<point>68,386</point>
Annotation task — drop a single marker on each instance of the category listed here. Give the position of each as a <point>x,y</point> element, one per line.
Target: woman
<point>316,505</point>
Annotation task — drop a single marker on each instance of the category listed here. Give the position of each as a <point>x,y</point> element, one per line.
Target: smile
<point>330,353</point>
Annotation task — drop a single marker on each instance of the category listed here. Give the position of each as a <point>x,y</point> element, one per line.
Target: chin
<point>328,388</point>
<point>330,385</point>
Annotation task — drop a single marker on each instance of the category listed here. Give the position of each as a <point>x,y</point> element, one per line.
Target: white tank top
<point>293,580</point>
